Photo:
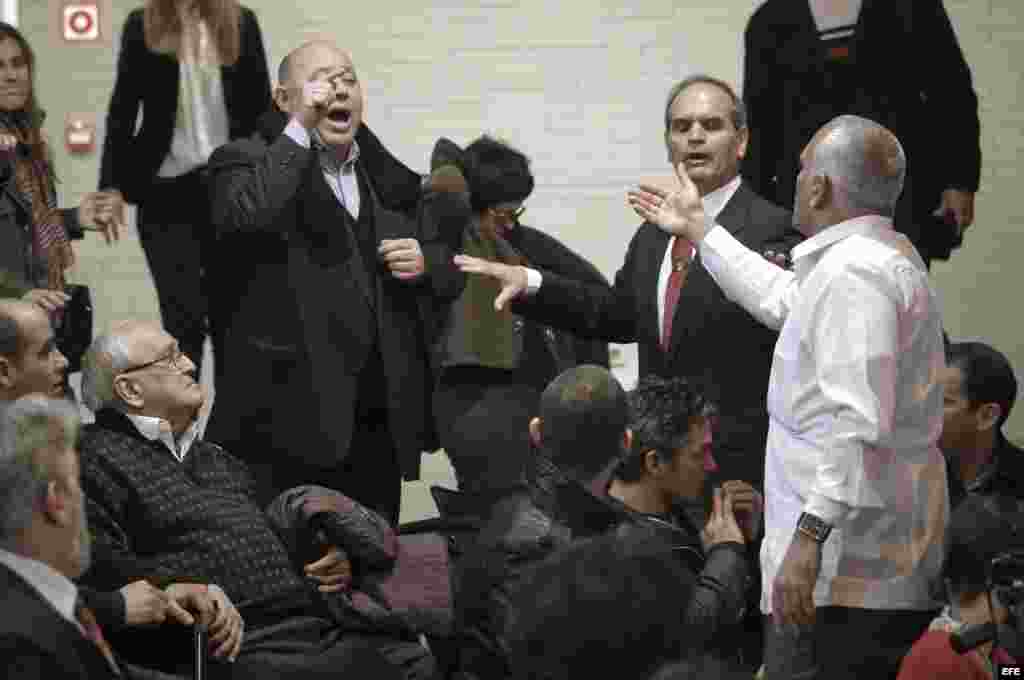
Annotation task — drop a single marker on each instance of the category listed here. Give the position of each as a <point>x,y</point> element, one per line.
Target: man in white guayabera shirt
<point>855,486</point>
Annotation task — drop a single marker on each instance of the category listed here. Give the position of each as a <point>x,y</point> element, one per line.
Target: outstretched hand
<point>679,212</point>
<point>513,279</point>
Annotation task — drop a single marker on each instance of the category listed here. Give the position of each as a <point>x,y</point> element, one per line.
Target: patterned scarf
<point>34,178</point>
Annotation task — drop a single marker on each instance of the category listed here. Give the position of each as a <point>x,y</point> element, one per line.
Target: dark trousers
<point>370,474</point>
<point>483,419</point>
<point>180,246</point>
<point>844,643</point>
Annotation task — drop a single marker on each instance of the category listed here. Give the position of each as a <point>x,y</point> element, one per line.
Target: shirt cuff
<point>297,133</point>
<point>832,512</point>
<point>721,241</point>
<point>534,280</point>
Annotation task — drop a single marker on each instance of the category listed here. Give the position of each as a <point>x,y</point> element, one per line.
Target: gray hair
<point>29,426</point>
<point>106,358</point>
<point>868,181</point>
<point>739,110</point>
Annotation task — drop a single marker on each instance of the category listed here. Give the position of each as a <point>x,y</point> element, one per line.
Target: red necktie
<point>682,253</point>
<point>94,634</point>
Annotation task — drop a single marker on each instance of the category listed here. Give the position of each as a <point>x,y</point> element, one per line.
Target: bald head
<point>293,68</point>
<point>864,162</point>
<point>15,315</point>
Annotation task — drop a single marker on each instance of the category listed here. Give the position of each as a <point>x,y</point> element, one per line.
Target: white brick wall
<point>579,86</point>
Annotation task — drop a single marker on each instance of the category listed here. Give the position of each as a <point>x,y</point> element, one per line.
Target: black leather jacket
<point>527,527</point>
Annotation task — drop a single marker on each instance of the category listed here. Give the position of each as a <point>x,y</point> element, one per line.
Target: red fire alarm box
<point>80,21</point>
<point>80,133</point>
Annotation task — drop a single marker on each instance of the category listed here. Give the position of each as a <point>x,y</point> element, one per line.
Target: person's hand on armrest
<point>333,571</point>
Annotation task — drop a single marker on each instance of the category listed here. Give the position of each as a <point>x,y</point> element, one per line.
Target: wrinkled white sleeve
<point>853,338</point>
<point>762,288</point>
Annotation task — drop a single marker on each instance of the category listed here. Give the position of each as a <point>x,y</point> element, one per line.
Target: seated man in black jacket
<point>979,392</point>
<point>663,478</point>
<point>582,433</point>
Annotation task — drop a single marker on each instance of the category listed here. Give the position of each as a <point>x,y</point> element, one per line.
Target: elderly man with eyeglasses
<point>164,504</point>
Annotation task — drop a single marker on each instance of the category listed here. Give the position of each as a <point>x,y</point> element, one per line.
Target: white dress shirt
<point>340,175</point>
<point>855,408</point>
<point>202,124</point>
<point>832,16</point>
<point>52,585</point>
<point>159,430</point>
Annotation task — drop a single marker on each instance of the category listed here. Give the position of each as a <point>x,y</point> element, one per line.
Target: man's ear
<point>651,463</point>
<point>987,415</point>
<point>282,98</point>
<point>821,191</point>
<point>535,436</point>
<point>627,439</point>
<point>8,374</point>
<point>127,390</point>
<point>741,149</point>
<point>55,504</point>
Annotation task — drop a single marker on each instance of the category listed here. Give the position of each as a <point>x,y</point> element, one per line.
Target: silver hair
<point>30,426</point>
<point>842,155</point>
<point>105,359</point>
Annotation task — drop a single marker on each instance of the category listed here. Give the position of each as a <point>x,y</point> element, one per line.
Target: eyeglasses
<point>174,360</point>
<point>509,214</point>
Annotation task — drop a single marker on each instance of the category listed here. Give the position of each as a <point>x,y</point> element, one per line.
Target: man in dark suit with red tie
<point>664,300</point>
<point>45,632</point>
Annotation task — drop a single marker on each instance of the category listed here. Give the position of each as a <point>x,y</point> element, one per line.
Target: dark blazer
<point>308,311</point>
<point>150,81</point>
<point>36,642</point>
<point>906,72</point>
<point>714,342</point>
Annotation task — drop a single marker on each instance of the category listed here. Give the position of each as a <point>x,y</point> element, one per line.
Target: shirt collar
<point>715,201</point>
<point>329,160</point>
<point>55,587</point>
<point>159,430</point>
<point>837,232</point>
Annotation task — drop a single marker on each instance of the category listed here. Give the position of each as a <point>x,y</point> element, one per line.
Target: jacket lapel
<point>656,246</point>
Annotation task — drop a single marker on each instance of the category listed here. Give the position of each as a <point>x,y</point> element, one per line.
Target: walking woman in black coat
<point>198,70</point>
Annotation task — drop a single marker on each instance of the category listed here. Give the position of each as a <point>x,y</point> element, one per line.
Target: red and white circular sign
<point>81,21</point>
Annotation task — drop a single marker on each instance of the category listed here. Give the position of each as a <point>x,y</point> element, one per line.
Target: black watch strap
<point>813,527</point>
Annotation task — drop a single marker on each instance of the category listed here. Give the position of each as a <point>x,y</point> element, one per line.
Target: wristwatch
<point>813,527</point>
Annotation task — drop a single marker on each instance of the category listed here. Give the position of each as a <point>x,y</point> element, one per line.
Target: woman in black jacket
<point>198,70</point>
<point>494,365</point>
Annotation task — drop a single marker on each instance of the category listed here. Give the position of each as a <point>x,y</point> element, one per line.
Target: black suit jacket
<point>37,642</point>
<point>150,81</point>
<point>907,73</point>
<point>714,342</point>
<point>307,311</point>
